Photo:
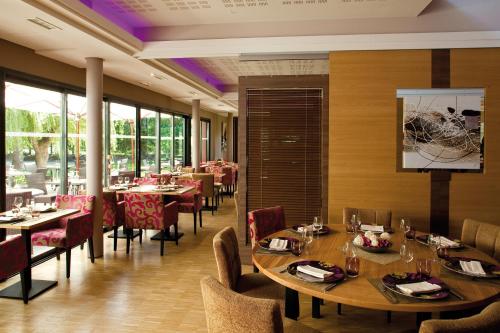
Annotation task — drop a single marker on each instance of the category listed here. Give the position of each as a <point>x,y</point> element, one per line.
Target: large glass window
<point>33,142</point>
<point>77,133</point>
<point>122,138</point>
<point>166,146</point>
<point>149,141</point>
<point>205,140</point>
<point>179,137</point>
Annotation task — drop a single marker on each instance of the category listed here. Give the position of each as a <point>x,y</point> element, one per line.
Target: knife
<point>387,293</point>
<point>456,294</point>
<point>329,287</point>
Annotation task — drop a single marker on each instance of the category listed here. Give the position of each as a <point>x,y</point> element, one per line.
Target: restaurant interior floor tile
<point>148,293</point>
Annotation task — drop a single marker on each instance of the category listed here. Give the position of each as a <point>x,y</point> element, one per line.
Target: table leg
<point>3,235</point>
<point>292,309</point>
<point>421,316</point>
<point>316,303</point>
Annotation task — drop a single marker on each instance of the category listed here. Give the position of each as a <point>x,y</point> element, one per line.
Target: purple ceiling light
<point>121,15</point>
<point>192,66</point>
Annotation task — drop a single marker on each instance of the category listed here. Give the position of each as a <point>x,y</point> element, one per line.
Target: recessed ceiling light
<point>43,23</point>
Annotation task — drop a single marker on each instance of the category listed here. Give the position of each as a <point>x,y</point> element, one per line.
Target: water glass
<point>172,181</point>
<point>424,266</point>
<point>307,234</point>
<point>317,224</point>
<point>410,232</point>
<point>434,242</point>
<point>120,180</point>
<point>352,266</point>
<point>297,247</point>
<point>406,253</point>
<point>127,180</point>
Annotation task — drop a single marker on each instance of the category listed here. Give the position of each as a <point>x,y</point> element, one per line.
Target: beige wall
<point>363,120</point>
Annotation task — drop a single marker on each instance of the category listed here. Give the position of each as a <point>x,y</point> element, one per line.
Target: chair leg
<point>255,269</point>
<point>68,263</point>
<point>140,235</point>
<point>389,317</point>
<point>127,232</point>
<point>206,203</point>
<point>339,308</point>
<point>201,219</point>
<point>162,245</point>
<point>24,287</point>
<point>81,246</point>
<point>194,221</point>
<point>212,205</point>
<point>58,256</point>
<point>91,250</point>
<point>176,235</point>
<point>115,237</point>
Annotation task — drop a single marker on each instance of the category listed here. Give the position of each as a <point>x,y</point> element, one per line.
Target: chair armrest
<point>171,214</point>
<point>79,227</point>
<point>13,257</point>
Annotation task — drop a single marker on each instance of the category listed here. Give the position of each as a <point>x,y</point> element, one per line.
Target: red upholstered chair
<point>229,179</point>
<point>162,177</point>
<point>113,214</point>
<point>264,222</point>
<point>191,202</point>
<point>13,259</point>
<point>146,181</point>
<point>69,231</point>
<point>147,211</point>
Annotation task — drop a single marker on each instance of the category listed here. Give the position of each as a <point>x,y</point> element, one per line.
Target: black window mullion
<point>158,142</point>
<point>63,175</point>
<point>3,171</point>
<point>107,141</point>
<point>187,140</point>
<point>137,141</point>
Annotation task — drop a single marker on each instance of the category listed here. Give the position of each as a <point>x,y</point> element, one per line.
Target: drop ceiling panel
<point>191,12</point>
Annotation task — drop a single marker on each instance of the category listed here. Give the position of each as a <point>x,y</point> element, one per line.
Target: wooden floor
<point>143,292</point>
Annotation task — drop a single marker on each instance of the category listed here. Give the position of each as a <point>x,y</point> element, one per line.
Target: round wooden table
<point>360,292</point>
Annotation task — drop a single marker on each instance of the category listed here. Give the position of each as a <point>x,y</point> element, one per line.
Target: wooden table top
<point>45,218</point>
<point>360,292</point>
<point>151,189</point>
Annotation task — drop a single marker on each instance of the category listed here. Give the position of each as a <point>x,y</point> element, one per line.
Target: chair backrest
<point>227,256</point>
<point>85,203</point>
<point>13,258</point>
<point>229,312</point>
<point>163,176</point>
<point>368,216</point>
<point>228,178</point>
<point>198,184</point>
<point>109,212</point>
<point>187,169</point>
<point>144,211</point>
<point>37,180</point>
<point>483,236</point>
<point>208,183</point>
<point>146,181</point>
<point>266,221</point>
<point>488,321</point>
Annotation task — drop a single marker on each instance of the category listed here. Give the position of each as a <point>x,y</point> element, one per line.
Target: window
<point>179,133</point>
<point>149,141</point>
<point>33,141</point>
<point>122,137</point>
<point>77,133</point>
<point>205,140</point>
<point>166,146</point>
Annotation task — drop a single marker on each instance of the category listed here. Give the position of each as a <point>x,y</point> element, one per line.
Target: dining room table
<point>26,225</point>
<point>167,192</point>
<point>368,289</point>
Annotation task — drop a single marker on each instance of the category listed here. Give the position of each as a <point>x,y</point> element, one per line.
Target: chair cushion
<point>53,237</point>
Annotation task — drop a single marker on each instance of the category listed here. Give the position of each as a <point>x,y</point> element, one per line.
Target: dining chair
<point>488,321</point>
<point>162,177</point>
<point>147,211</point>
<point>230,312</point>
<point>228,180</point>
<point>13,260</point>
<point>368,216</point>
<point>208,187</point>
<point>191,202</point>
<point>483,236</point>
<point>146,181</point>
<point>113,214</point>
<point>266,221</point>
<point>228,260</point>
<point>69,231</point>
<point>187,169</point>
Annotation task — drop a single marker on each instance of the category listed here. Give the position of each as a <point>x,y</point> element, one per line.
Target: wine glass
<point>29,205</point>
<point>126,180</point>
<point>406,253</point>
<point>317,224</point>
<point>307,234</point>
<point>18,202</point>
<point>172,181</point>
<point>120,180</point>
<point>434,242</point>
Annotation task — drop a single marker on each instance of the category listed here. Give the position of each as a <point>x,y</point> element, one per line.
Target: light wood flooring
<point>143,292</point>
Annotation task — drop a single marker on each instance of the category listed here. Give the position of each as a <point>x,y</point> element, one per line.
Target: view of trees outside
<point>33,138</point>
<point>77,133</point>
<point>166,123</point>
<point>122,137</point>
<point>179,133</point>
<point>205,140</point>
<point>148,141</point>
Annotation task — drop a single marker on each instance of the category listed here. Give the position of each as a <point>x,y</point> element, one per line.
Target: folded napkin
<point>10,218</point>
<point>278,244</point>
<point>472,267</point>
<point>313,271</point>
<point>372,228</point>
<point>418,287</point>
<point>447,242</point>
<point>43,208</point>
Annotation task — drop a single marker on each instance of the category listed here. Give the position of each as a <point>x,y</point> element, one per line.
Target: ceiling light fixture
<point>283,56</point>
<point>158,76</point>
<point>44,24</point>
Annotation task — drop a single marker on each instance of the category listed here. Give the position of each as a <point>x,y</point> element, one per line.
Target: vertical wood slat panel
<point>284,151</point>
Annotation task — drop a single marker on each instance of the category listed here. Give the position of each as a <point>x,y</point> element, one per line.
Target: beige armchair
<point>483,236</point>
<point>368,216</point>
<point>208,187</point>
<point>488,321</point>
<point>229,312</point>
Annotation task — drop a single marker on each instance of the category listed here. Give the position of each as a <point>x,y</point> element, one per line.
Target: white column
<point>195,134</point>
<point>94,145</point>
<point>229,136</point>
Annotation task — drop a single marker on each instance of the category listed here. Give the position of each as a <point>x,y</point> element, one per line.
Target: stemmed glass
<point>307,234</point>
<point>120,180</point>
<point>356,223</point>
<point>434,242</point>
<point>127,180</point>
<point>403,223</point>
<point>406,253</point>
<point>18,202</point>
<point>317,224</point>
<point>172,181</point>
<point>29,205</point>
